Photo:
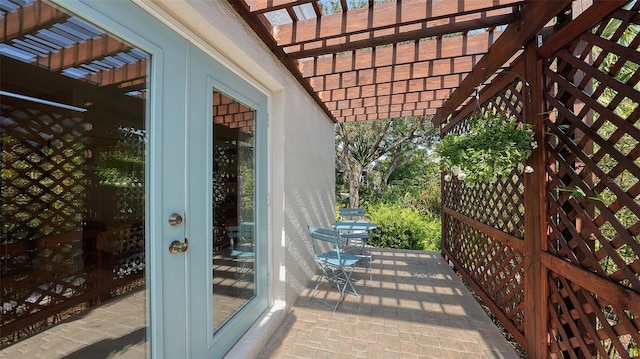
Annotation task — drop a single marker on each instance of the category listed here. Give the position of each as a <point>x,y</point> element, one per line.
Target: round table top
<point>359,225</point>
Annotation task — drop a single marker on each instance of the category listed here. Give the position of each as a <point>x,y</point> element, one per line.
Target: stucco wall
<point>301,137</point>
<point>309,190</point>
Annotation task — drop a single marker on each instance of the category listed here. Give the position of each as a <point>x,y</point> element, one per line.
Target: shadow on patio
<point>414,307</point>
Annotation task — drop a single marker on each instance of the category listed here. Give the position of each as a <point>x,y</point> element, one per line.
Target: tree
<point>362,145</point>
<point>415,184</point>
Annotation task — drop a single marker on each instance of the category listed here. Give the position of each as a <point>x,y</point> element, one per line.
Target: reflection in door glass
<point>72,241</point>
<point>233,207</point>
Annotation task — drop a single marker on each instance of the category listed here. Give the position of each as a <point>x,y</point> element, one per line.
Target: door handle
<point>178,247</point>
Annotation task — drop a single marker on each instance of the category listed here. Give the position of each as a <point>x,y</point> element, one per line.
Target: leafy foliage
<point>494,146</point>
<point>415,183</point>
<point>389,164</point>
<point>405,228</point>
<point>373,149</point>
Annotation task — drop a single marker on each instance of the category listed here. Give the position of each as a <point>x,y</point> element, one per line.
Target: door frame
<point>167,313</point>
<point>127,21</point>
<point>207,74</point>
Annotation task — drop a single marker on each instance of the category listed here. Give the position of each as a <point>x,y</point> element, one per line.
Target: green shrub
<point>404,228</point>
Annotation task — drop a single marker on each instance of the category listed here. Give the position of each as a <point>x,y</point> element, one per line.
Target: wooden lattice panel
<point>583,282</point>
<point>225,189</point>
<point>125,245</point>
<point>46,262</point>
<point>592,93</point>
<point>57,251</point>
<point>46,276</point>
<point>593,167</point>
<point>42,170</point>
<point>495,268</point>
<point>499,204</point>
<point>584,324</point>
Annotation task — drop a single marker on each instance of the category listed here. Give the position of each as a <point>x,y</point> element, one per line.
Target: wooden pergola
<point>560,271</point>
<point>399,58</point>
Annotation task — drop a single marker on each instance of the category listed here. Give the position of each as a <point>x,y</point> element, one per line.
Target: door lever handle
<point>178,247</point>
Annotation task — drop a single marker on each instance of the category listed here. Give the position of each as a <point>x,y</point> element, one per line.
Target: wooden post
<point>535,216</point>
<point>444,242</point>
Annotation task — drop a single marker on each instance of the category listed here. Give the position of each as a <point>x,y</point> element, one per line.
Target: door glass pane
<point>233,207</point>
<point>72,241</point>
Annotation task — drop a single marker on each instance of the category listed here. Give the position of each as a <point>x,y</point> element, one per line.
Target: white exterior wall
<point>301,145</point>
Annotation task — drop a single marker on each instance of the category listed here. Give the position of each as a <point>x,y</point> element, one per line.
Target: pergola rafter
<point>354,42</point>
<point>412,53</point>
<point>28,19</point>
<point>395,58</point>
<point>82,53</point>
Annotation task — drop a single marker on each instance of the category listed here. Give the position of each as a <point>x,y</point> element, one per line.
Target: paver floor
<point>115,329</point>
<point>412,305</point>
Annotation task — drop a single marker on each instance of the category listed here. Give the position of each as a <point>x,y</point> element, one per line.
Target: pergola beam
<point>82,53</point>
<point>421,33</point>
<point>436,49</point>
<point>28,19</point>
<point>390,17</point>
<point>534,16</point>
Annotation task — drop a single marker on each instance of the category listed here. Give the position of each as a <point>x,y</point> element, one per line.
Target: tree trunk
<point>397,155</point>
<point>354,186</point>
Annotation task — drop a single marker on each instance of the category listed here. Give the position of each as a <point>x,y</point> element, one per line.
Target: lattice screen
<point>43,184</point>
<point>42,171</point>
<point>72,213</point>
<point>593,149</point>
<point>234,126</point>
<point>494,267</point>
<point>225,189</point>
<point>592,251</point>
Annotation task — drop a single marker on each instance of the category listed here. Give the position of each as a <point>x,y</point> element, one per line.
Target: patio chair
<point>354,241</point>
<point>242,251</point>
<point>337,266</point>
<point>351,214</point>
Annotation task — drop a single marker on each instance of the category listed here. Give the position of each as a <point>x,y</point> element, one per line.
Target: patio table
<point>359,225</point>
<point>351,229</point>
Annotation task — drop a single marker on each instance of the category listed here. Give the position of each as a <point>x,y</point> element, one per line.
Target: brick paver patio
<point>414,306</point>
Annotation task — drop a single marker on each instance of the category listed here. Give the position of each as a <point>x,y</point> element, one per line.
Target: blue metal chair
<point>351,214</point>
<point>354,241</point>
<point>242,251</point>
<point>337,266</point>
